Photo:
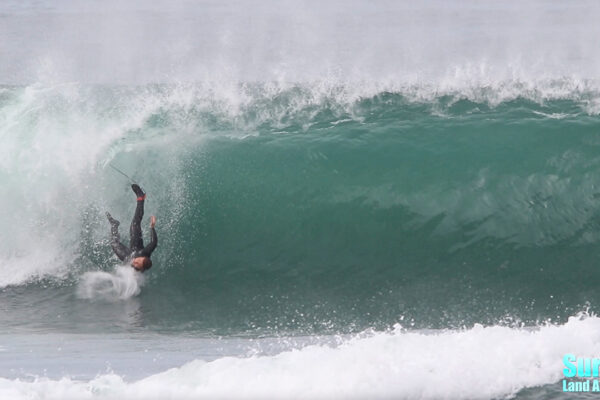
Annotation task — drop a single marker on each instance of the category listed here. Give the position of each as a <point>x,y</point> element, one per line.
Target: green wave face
<point>299,213</point>
<point>441,219</point>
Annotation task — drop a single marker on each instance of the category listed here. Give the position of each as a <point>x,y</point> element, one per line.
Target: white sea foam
<point>122,284</point>
<point>477,363</point>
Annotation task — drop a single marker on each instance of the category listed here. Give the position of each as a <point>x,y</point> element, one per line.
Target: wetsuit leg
<point>135,231</point>
<point>115,241</point>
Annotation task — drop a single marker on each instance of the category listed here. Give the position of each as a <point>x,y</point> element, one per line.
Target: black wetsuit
<point>136,244</point>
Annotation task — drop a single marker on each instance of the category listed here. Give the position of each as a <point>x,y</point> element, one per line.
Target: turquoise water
<point>352,216</point>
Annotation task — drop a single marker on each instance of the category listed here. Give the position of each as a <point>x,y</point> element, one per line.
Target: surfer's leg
<point>115,240</point>
<point>120,250</point>
<point>135,231</point>
<point>114,228</point>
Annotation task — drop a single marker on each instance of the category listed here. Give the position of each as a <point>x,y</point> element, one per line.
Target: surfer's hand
<point>152,221</point>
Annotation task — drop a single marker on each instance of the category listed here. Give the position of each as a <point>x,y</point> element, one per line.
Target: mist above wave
<point>298,41</point>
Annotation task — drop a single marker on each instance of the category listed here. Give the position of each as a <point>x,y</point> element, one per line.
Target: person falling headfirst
<point>136,252</point>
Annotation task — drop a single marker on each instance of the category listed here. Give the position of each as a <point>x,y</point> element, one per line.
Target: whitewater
<point>354,199</point>
<point>399,364</point>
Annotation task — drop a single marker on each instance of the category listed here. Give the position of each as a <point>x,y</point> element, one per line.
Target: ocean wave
<point>284,188</point>
<point>476,363</point>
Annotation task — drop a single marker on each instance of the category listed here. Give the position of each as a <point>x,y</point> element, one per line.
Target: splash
<point>121,284</point>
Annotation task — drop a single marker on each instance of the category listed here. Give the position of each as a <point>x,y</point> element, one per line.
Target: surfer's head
<point>141,263</point>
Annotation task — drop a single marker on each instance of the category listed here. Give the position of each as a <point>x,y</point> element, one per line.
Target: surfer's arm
<point>153,241</point>
<point>150,248</point>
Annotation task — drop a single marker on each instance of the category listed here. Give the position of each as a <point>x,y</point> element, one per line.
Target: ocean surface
<point>355,199</point>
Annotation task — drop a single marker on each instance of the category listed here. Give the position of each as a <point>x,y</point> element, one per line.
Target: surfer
<point>136,253</point>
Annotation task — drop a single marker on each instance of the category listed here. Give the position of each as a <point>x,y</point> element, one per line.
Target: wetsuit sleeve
<point>147,251</point>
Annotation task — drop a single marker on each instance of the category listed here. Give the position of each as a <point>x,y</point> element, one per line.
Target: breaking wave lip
<point>233,97</point>
<point>476,363</point>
